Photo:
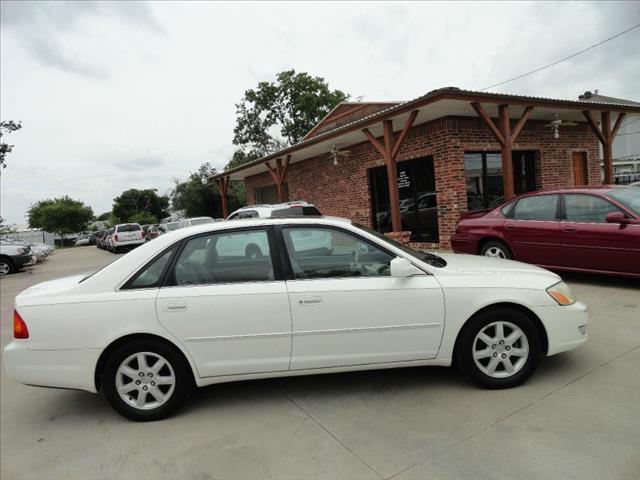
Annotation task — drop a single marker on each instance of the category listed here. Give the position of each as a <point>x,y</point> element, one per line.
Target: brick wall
<point>343,190</point>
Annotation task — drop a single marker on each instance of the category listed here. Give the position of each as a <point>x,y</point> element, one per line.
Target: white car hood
<point>492,272</point>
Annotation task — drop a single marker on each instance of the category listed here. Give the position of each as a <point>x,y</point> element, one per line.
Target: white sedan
<point>189,310</point>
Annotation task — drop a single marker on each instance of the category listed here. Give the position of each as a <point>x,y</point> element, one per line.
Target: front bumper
<point>566,326</point>
<point>23,260</point>
<point>51,368</point>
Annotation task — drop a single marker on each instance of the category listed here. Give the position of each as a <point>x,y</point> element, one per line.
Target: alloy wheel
<point>4,269</point>
<point>145,380</point>
<point>500,349</point>
<point>495,252</point>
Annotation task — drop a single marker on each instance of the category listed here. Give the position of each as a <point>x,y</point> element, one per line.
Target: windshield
<point>427,257</point>
<point>629,197</point>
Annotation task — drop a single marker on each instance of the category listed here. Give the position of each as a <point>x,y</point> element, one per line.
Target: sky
<point>120,95</point>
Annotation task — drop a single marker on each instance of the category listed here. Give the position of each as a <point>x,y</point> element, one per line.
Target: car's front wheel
<point>499,348</point>
<point>146,380</point>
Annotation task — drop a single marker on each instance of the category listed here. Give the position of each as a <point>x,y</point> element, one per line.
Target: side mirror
<point>401,267</point>
<point>616,217</point>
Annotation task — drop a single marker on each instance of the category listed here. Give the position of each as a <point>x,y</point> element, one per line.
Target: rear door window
<point>539,207</point>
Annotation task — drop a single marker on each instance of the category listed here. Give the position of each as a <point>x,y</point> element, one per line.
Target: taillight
<point>20,329</point>
<point>115,237</point>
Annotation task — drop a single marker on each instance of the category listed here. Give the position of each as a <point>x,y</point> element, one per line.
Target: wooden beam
<point>616,127</point>
<point>392,177</point>
<point>594,127</point>
<point>374,141</point>
<point>223,186</point>
<point>506,152</point>
<point>408,124</point>
<point>487,120</point>
<point>607,150</point>
<point>520,124</point>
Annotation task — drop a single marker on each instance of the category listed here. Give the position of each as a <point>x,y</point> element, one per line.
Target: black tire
<point>182,388</point>
<point>465,348</point>
<point>496,246</point>
<point>6,266</point>
<point>252,251</point>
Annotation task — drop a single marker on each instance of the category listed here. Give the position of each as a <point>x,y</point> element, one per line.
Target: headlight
<point>562,294</point>
<point>20,250</point>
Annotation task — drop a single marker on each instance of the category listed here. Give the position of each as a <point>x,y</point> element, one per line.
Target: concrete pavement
<point>578,417</point>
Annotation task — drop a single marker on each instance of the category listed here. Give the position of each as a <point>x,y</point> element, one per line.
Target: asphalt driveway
<point>578,417</point>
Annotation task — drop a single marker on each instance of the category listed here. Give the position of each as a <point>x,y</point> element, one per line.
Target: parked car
<point>190,222</point>
<point>169,227</point>
<point>185,310</point>
<point>288,209</point>
<point>153,232</point>
<point>13,257</point>
<point>314,240</point>
<point>582,229</point>
<point>126,236</point>
<point>107,239</point>
<point>83,240</point>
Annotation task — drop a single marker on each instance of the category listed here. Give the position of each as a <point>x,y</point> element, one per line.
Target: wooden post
<point>279,175</point>
<point>605,135</point>
<point>389,151</point>
<point>223,185</point>
<point>506,137</point>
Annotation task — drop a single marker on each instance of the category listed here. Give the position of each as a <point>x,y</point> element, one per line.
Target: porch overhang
<point>436,104</point>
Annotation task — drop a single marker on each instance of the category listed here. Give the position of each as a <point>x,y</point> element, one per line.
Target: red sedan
<point>581,229</point>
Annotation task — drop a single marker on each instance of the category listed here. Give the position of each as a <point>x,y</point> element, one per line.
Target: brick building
<point>411,169</point>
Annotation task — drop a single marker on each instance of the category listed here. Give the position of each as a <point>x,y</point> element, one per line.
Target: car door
<point>589,242</point>
<point>348,310</point>
<point>230,311</point>
<point>532,230</point>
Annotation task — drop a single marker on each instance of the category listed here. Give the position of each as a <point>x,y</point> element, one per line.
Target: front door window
<point>418,205</point>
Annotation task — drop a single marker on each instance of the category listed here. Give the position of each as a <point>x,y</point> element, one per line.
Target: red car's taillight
<point>20,329</point>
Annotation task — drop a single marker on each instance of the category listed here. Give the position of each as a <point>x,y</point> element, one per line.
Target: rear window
<point>296,211</point>
<point>129,227</point>
<point>201,221</point>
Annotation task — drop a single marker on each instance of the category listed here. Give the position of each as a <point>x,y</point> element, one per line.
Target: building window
<point>269,194</point>
<point>484,177</point>
<point>418,205</point>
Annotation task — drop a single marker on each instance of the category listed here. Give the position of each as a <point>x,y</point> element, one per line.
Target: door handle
<point>175,306</point>
<point>569,228</point>
<point>310,301</point>
<point>510,227</point>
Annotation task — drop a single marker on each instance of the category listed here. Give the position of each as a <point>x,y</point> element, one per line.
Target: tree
<point>292,105</point>
<point>61,215</point>
<point>198,196</point>
<point>103,217</point>
<point>7,127</point>
<point>134,201</point>
<point>144,218</point>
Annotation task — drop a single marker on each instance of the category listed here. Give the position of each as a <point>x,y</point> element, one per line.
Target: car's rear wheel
<point>6,266</point>
<point>496,249</point>
<point>499,348</point>
<point>146,380</point>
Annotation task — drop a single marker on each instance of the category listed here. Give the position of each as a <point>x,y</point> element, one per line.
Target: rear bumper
<point>566,327</point>
<point>463,244</point>
<point>51,368</point>
<point>128,243</point>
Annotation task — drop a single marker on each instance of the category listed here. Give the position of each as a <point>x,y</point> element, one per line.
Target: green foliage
<point>134,201</point>
<point>103,217</point>
<point>240,158</point>
<point>293,105</point>
<point>61,215</point>
<point>7,127</point>
<point>199,197</point>
<point>144,218</point>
